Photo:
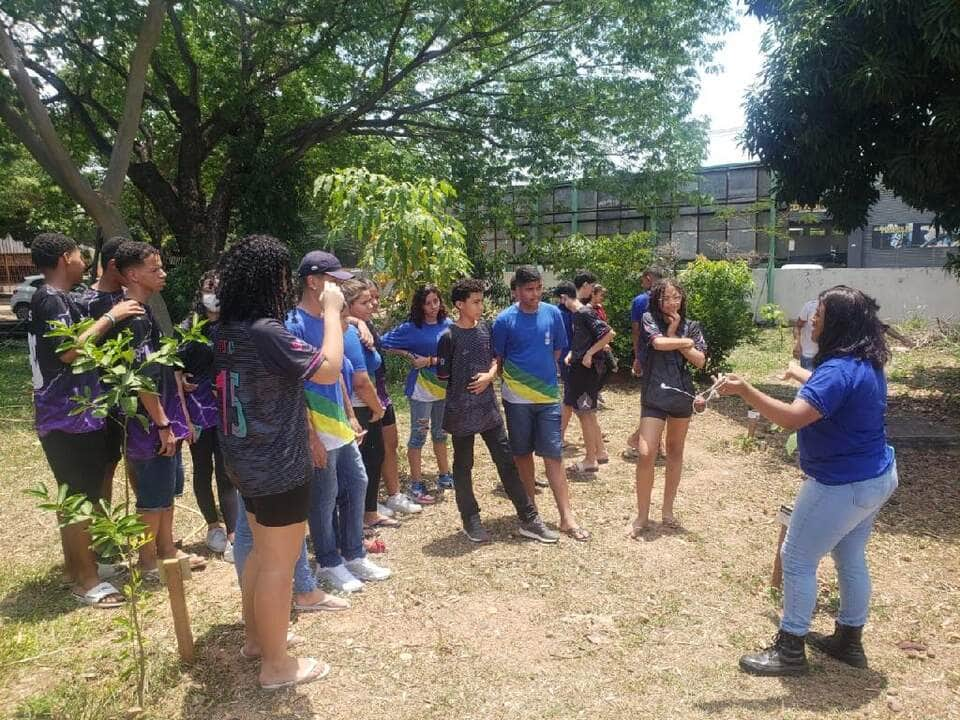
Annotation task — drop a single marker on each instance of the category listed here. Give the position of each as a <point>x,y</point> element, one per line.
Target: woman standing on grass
<point>851,472</point>
<point>672,343</point>
<point>416,340</point>
<point>260,369</point>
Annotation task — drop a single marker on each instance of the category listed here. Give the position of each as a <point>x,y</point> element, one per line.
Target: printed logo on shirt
<point>429,387</point>
<point>298,345</point>
<point>522,387</point>
<point>329,420</point>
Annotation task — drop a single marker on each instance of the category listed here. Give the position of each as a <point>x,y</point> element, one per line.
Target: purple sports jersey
<point>141,444</point>
<point>55,385</point>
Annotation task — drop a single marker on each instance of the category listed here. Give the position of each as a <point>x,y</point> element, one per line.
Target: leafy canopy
<point>854,91</point>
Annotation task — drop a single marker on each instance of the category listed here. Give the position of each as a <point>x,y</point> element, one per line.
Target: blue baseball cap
<point>318,262</point>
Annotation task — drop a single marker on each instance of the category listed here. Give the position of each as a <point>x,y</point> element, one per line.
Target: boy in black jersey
<point>465,359</point>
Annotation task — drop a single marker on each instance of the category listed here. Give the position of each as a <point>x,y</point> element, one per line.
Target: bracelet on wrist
<point>165,426</point>
<point>110,317</point>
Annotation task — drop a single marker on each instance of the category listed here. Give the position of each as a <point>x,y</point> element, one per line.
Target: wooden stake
<point>776,579</point>
<point>178,608</point>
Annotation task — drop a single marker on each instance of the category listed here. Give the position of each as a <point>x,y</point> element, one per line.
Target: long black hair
<point>255,280</point>
<point>419,298</point>
<point>851,327</point>
<point>656,295</point>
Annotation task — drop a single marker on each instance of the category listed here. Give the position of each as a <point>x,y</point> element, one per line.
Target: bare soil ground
<point>613,628</point>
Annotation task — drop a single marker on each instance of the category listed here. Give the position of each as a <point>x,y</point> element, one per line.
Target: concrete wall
<point>901,292</point>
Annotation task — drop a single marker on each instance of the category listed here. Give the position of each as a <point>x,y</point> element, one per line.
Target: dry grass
<point>613,628</point>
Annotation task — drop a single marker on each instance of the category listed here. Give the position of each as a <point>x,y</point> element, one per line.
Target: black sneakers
<point>845,644</point>
<point>536,530</point>
<point>475,531</point>
<point>785,657</point>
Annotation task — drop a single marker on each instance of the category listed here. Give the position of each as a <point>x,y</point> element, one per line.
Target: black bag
<point>668,368</point>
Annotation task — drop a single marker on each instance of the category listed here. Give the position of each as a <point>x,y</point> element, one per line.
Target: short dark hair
<point>47,249</point>
<point>525,274</point>
<point>108,251</point>
<point>582,277</point>
<point>464,288</point>
<point>419,298</point>
<point>851,327</point>
<point>132,253</point>
<point>565,287</point>
<point>655,273</point>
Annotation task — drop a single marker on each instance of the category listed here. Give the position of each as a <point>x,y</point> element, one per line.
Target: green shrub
<point>718,296</point>
<point>619,262</point>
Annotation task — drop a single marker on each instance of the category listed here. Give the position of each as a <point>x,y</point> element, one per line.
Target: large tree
<point>854,91</point>
<point>241,91</point>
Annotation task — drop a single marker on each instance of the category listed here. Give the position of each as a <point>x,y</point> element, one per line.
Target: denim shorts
<point>424,416</point>
<point>159,481</point>
<point>534,428</point>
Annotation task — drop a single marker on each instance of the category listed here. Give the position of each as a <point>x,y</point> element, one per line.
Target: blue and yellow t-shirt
<point>325,409</point>
<point>422,385</point>
<point>527,344</point>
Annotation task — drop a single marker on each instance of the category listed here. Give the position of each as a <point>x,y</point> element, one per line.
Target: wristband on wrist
<point>110,317</point>
<point>165,426</point>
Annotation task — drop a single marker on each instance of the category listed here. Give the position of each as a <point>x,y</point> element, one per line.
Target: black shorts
<point>286,508</point>
<point>78,460</point>
<point>582,388</point>
<point>389,416</point>
<point>655,412</point>
<point>113,430</point>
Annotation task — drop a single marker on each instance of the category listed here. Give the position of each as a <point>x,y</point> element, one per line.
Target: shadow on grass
<point>830,686</point>
<point>39,598</point>
<point>456,544</point>
<point>225,685</point>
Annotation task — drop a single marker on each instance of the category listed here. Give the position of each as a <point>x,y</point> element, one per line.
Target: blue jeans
<point>303,580</point>
<point>534,427</point>
<point>159,481</point>
<point>336,507</point>
<point>835,519</point>
<point>426,417</point>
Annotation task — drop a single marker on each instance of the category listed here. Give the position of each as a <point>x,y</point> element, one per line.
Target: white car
<point>22,293</point>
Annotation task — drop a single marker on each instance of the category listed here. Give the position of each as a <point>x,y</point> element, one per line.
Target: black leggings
<point>207,458</point>
<point>372,453</point>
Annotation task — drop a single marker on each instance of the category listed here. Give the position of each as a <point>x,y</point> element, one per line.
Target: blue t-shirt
<point>641,304</point>
<point>422,385</point>
<point>849,443</point>
<point>527,344</point>
<point>361,360</point>
<point>325,409</point>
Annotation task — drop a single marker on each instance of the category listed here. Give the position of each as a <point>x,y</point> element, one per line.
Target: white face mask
<point>211,302</point>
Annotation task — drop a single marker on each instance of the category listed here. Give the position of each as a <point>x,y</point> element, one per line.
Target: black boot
<point>845,645</point>
<point>785,657</point>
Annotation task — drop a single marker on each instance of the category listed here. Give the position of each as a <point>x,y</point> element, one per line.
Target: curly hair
<point>656,296</point>
<point>47,248</point>
<point>462,289</point>
<point>419,298</point>
<point>255,280</point>
<point>851,327</point>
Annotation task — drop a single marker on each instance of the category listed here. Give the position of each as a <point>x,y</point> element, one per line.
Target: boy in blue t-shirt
<point>528,338</point>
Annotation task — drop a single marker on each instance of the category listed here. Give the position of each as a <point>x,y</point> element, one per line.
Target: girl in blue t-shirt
<point>416,340</point>
<point>851,472</point>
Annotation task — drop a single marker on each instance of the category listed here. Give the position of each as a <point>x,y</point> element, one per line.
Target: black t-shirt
<point>260,368</point>
<point>95,303</point>
<point>462,354</point>
<point>587,329</point>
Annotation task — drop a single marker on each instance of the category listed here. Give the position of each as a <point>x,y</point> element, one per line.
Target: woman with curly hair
<point>260,368</point>
<point>850,470</point>
<point>416,340</point>
<point>672,343</point>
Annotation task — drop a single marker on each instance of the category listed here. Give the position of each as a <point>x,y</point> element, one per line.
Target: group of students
<point>286,404</point>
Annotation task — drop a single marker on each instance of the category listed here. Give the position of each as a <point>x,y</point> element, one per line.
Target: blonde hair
<point>353,289</point>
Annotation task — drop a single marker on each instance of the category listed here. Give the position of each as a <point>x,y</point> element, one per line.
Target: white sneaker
<point>339,578</point>
<point>402,504</point>
<point>217,539</point>
<point>366,569</point>
<point>385,511</point>
<point>228,553</point>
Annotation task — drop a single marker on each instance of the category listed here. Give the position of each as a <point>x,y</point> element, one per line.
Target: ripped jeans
<point>426,418</point>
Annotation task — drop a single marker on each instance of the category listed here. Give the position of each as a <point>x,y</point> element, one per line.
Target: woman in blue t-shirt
<point>416,340</point>
<point>851,472</point>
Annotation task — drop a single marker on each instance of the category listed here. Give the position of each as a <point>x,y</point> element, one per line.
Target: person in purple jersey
<point>154,451</point>
<point>73,443</point>
<point>99,298</point>
<point>202,409</point>
<point>851,472</point>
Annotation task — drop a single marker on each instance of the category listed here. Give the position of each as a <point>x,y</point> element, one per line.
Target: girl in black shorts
<point>673,343</point>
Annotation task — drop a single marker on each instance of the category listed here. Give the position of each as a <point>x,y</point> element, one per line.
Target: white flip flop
<point>97,593</point>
